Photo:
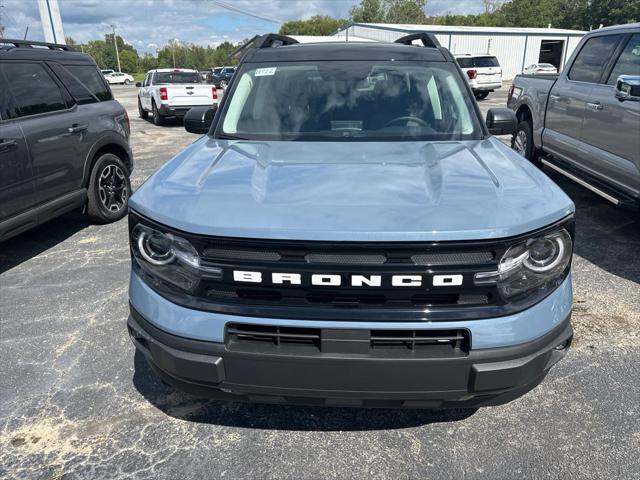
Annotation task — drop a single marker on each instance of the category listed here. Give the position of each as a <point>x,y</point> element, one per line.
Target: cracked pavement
<point>76,401</point>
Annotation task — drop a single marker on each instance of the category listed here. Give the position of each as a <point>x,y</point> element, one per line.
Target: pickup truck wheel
<point>158,119</point>
<point>522,142</point>
<point>109,190</point>
<point>142,113</point>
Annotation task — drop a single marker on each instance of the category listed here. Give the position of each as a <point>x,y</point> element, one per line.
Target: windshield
<point>216,71</point>
<point>177,77</point>
<point>346,100</point>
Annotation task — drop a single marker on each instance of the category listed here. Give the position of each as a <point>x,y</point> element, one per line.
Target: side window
<point>92,80</point>
<point>33,89</point>
<point>629,60</point>
<point>465,62</point>
<point>146,80</point>
<point>78,91</point>
<point>592,58</point>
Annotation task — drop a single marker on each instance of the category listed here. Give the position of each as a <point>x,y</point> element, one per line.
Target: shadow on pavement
<point>607,236</point>
<point>37,240</point>
<point>280,417</point>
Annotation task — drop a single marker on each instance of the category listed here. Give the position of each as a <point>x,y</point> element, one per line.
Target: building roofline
<point>466,30</point>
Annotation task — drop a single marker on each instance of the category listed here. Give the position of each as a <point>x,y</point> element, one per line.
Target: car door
<point>145,92</point>
<point>49,125</point>
<point>17,191</point>
<point>611,126</point>
<point>562,135</point>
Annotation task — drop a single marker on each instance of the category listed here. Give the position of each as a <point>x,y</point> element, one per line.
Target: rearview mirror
<point>628,88</point>
<point>138,84</point>
<point>198,119</point>
<point>501,121</point>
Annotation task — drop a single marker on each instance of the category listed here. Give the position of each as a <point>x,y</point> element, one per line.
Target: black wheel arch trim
<point>105,141</point>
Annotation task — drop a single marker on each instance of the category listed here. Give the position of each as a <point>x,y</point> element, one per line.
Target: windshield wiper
<point>229,136</point>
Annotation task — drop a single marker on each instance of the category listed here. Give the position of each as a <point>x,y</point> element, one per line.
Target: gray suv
<point>64,140</point>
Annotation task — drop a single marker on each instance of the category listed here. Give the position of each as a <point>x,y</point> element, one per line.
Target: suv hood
<point>360,191</point>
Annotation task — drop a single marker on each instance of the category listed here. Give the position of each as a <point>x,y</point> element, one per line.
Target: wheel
<point>481,95</point>
<point>522,142</point>
<point>223,84</point>
<point>158,119</point>
<point>142,113</point>
<point>109,190</point>
<point>127,81</point>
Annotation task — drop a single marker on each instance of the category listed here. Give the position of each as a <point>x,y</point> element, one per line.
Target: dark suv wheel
<point>109,189</point>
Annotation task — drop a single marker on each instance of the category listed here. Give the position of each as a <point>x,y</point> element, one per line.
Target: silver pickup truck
<point>585,123</point>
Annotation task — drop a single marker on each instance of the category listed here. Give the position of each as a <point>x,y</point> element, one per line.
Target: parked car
<point>484,73</point>
<point>329,244</point>
<point>170,92</point>
<point>222,76</point>
<point>585,124</point>
<point>64,140</point>
<point>119,77</point>
<point>540,69</point>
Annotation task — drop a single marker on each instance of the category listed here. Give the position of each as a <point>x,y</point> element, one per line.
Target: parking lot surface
<point>77,402</point>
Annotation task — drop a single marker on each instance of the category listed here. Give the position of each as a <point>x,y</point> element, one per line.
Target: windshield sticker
<point>265,72</point>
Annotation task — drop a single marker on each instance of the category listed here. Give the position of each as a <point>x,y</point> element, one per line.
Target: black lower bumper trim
<point>483,377</point>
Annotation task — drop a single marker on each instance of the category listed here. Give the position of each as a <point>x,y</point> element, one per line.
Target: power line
<point>248,13</point>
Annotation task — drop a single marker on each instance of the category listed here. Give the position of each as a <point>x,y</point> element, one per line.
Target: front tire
<point>127,81</point>
<point>522,142</point>
<point>109,190</point>
<point>142,113</point>
<point>157,117</point>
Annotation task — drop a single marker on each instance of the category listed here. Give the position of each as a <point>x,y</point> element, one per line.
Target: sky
<point>148,24</point>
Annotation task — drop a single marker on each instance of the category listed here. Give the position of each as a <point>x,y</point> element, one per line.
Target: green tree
<point>369,11</point>
<point>405,11</point>
<point>316,25</point>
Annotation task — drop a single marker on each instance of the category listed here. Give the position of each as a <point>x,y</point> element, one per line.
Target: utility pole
<point>1,25</point>
<point>115,43</point>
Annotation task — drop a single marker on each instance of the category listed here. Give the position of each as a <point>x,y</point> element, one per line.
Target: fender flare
<point>106,140</point>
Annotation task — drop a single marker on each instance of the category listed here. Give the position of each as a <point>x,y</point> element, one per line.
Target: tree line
<point>173,54</point>
<point>572,14</point>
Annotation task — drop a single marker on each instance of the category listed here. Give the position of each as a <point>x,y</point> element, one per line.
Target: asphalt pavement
<point>76,401</point>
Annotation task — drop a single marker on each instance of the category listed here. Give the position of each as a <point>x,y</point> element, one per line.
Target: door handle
<point>75,128</point>
<point>595,105</point>
<point>8,145</point>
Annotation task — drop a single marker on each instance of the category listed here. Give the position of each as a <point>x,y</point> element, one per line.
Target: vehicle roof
<point>165,70</point>
<point>473,55</point>
<point>344,51</point>
<point>9,51</point>
<point>627,26</point>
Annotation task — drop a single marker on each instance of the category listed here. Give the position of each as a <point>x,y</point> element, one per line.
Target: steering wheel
<point>407,119</point>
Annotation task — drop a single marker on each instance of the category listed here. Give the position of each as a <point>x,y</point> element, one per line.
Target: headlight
<point>537,264</point>
<point>168,257</point>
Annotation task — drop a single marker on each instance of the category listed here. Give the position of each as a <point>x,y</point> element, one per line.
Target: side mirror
<point>501,121</point>
<point>628,88</point>
<point>138,84</point>
<point>198,119</point>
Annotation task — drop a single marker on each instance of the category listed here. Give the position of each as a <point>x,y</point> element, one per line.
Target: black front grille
<point>283,340</point>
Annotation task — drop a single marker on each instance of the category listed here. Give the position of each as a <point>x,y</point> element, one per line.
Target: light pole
<point>115,43</point>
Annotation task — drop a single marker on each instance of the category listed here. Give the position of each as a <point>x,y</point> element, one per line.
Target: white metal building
<point>515,48</point>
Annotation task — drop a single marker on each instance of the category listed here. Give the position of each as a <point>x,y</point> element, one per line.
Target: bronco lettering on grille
<point>335,280</point>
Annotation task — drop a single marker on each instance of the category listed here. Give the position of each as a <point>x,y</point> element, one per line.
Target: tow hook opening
<point>564,345</point>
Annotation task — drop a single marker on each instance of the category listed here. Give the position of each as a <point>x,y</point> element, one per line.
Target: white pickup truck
<point>171,92</point>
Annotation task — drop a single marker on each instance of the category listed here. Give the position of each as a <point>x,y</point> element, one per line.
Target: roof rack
<point>428,39</point>
<point>32,43</point>
<point>269,40</point>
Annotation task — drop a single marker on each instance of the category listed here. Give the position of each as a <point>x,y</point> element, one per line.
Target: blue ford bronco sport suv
<point>348,232</point>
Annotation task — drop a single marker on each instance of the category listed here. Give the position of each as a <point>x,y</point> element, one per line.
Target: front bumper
<point>484,87</point>
<point>480,378</point>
